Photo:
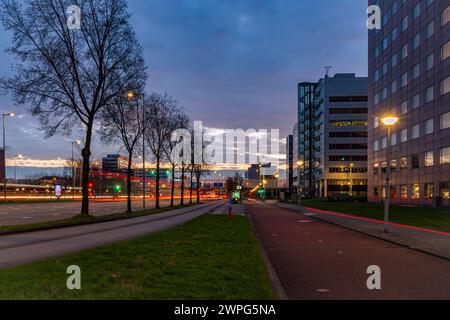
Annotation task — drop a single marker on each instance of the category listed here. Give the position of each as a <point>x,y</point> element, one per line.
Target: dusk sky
<point>230,63</point>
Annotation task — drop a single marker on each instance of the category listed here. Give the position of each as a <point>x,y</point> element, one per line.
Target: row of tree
<point>73,79</point>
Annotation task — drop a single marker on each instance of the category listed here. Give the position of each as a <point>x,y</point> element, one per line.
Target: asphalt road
<point>28,247</point>
<point>30,213</point>
<point>317,260</point>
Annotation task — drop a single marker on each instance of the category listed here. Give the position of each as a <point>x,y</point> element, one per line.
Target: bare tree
<point>200,170</point>
<point>67,76</point>
<point>161,110</point>
<point>122,122</point>
<point>180,121</point>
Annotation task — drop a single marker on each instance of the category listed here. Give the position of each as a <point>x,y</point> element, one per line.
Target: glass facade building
<point>409,76</point>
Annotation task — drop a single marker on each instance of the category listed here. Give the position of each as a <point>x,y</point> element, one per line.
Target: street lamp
<point>131,95</point>
<point>76,142</point>
<point>388,121</point>
<point>4,146</point>
<point>351,179</point>
<point>300,163</point>
<point>277,176</point>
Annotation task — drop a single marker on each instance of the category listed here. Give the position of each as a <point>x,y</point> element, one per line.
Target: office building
<point>409,77</point>
<point>341,136</point>
<point>115,163</point>
<point>305,160</point>
<point>289,162</point>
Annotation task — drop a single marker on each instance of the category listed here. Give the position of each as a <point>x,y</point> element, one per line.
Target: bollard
<point>230,214</point>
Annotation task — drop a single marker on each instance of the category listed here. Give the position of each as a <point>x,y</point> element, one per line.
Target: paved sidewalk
<point>428,241</point>
<point>237,209</point>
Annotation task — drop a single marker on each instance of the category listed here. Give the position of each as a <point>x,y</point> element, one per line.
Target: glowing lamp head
<point>390,121</point>
<point>130,95</point>
<point>12,114</point>
<point>300,163</point>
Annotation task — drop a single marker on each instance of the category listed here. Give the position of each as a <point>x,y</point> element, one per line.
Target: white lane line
<point>323,290</point>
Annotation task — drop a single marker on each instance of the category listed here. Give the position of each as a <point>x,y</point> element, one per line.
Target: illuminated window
<point>429,159</point>
<point>429,191</point>
<point>415,192</point>
<point>404,192</point>
<point>445,86</point>
<point>404,164</point>
<point>445,121</point>
<point>445,190</point>
<point>445,51</point>
<point>445,155</point>
<point>446,16</point>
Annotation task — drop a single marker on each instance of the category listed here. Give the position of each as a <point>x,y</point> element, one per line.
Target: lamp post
<point>132,96</point>
<point>76,142</point>
<point>300,163</point>
<point>277,176</point>
<point>389,122</point>
<point>4,147</point>
<point>351,179</point>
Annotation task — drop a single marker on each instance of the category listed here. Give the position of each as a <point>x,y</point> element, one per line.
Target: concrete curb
<point>273,275</point>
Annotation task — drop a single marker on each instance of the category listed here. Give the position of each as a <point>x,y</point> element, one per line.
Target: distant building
<point>2,165</point>
<point>290,161</point>
<point>409,77</point>
<point>115,163</point>
<point>254,172</point>
<point>306,128</point>
<point>330,138</point>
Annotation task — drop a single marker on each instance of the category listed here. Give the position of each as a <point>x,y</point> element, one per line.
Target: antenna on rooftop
<point>327,69</point>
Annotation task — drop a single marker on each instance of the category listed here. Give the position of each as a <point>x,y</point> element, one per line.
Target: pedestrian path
<point>428,241</point>
<point>236,209</point>
<point>322,261</point>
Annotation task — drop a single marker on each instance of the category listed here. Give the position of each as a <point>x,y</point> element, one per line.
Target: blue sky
<point>230,63</point>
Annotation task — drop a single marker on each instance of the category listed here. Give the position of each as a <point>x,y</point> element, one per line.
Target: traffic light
<point>118,188</point>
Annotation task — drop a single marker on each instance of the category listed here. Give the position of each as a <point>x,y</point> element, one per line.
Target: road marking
<point>304,221</point>
<point>341,252</point>
<point>274,235</point>
<point>323,290</point>
<point>320,241</point>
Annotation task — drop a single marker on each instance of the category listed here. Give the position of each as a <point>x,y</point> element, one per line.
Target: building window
<point>428,3</point>
<point>429,159</point>
<point>404,135</point>
<point>404,52</point>
<point>404,80</point>
<point>384,167</point>
<point>416,11</point>
<point>415,132</point>
<point>429,95</point>
<point>446,16</point>
<point>429,126</point>
<point>404,107</point>
<point>376,145</point>
<point>445,190</point>
<point>384,143</point>
<point>394,86</point>
<point>416,101</point>
<point>429,32</point>
<point>415,162</point>
<point>393,139</point>
<point>445,51</point>
<point>416,71</point>
<point>376,191</point>
<point>376,169</point>
<point>445,155</point>
<point>403,164</point>
<point>429,62</point>
<point>404,192</point>
<point>393,165</point>
<point>428,191</point>
<point>416,41</point>
<point>376,122</point>
<point>394,60</point>
<point>405,23</point>
<point>415,192</point>
<point>445,86</point>
<point>445,121</point>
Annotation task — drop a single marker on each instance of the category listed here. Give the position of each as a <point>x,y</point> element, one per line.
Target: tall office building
<point>290,161</point>
<point>409,76</point>
<point>305,161</point>
<point>341,136</point>
<point>115,163</point>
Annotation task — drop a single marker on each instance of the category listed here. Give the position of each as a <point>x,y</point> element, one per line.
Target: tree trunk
<point>198,189</point>
<point>182,185</point>
<point>172,191</point>
<point>158,164</point>
<point>130,155</point>
<point>86,170</point>
<point>192,186</point>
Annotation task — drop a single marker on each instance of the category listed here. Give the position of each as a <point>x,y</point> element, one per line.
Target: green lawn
<point>83,220</point>
<point>424,217</point>
<point>207,258</point>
